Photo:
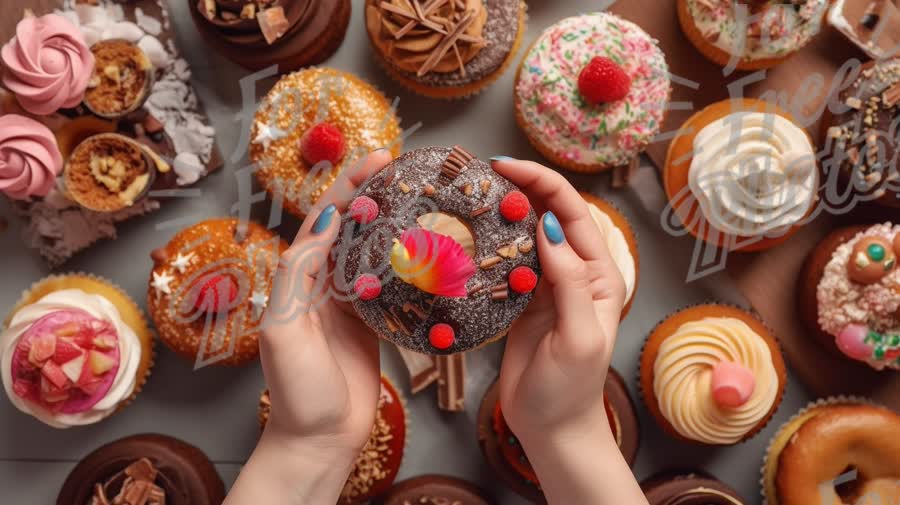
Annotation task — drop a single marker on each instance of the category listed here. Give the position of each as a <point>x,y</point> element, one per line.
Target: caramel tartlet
<point>108,172</point>
<point>122,79</point>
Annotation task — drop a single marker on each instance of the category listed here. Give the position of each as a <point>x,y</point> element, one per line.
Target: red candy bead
<point>522,280</point>
<point>603,81</point>
<point>441,336</point>
<point>367,287</point>
<point>216,293</point>
<point>322,142</point>
<point>363,210</point>
<point>514,206</point>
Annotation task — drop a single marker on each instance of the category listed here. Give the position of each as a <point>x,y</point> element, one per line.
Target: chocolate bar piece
<point>451,382</point>
<point>872,25</point>
<point>421,367</point>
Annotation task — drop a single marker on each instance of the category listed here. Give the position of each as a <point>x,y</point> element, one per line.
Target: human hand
<point>321,364</point>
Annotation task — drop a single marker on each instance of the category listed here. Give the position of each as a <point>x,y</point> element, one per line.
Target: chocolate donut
<point>161,464</point>
<point>420,289</point>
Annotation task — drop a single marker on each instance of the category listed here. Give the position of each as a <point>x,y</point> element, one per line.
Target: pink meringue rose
<point>48,65</point>
<point>29,157</point>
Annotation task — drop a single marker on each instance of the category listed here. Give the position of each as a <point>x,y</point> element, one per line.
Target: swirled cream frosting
<point>753,173</point>
<point>683,376</point>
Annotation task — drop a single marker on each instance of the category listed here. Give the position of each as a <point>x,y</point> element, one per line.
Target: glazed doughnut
<point>818,446</point>
<point>421,289</point>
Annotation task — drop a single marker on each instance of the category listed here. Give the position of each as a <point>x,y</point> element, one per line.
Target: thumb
<point>577,330</point>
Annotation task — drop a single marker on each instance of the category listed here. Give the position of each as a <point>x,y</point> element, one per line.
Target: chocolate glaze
<point>476,319</point>
<point>500,32</point>
<point>435,490</point>
<point>689,489</point>
<point>186,474</point>
<point>619,403</point>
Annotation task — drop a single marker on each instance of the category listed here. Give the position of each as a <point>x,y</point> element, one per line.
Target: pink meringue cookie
<point>30,160</point>
<point>48,65</point>
<point>732,384</point>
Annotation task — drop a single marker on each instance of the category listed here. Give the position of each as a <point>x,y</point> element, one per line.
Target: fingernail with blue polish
<point>553,229</point>
<point>324,219</point>
<point>501,158</point>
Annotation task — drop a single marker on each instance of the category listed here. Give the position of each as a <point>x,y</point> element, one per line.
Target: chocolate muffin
<point>122,78</point>
<point>164,469</point>
<point>435,490</point>
<point>420,288</point>
<point>259,33</point>
<point>862,141</point>
<point>108,172</point>
<point>689,489</point>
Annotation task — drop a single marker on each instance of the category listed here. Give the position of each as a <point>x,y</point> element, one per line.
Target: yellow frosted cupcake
<point>75,350</point>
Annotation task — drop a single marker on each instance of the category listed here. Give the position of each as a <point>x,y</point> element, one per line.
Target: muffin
<point>435,490</point>
<point>742,175</point>
<point>687,489</point>
<point>621,242</point>
<point>837,449</point>
<point>108,172</point>
<point>122,78</point>
<point>849,294</point>
<point>74,351</point>
<point>861,141</point>
<point>210,287</point>
<point>260,33</point>
<point>150,469</point>
<point>445,49</point>
<point>712,375</point>
<point>592,92</point>
<point>507,458</point>
<point>312,125</point>
<point>754,34</point>
<point>377,465</point>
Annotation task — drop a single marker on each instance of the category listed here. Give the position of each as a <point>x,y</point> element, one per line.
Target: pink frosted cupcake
<point>30,160</point>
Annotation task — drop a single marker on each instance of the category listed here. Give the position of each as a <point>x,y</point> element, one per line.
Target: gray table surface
<point>215,408</point>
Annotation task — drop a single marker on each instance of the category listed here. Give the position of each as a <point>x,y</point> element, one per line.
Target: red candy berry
<point>441,336</point>
<point>322,142</point>
<point>367,287</point>
<point>363,210</point>
<point>514,206</point>
<point>603,81</point>
<point>522,280</point>
<point>216,293</point>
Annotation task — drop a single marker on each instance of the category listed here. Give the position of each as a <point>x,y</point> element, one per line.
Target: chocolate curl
<point>451,382</point>
<point>422,369</point>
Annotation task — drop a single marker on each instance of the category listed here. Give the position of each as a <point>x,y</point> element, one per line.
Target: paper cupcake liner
<point>762,423</point>
<point>145,334</point>
<point>473,88</point>
<point>816,404</point>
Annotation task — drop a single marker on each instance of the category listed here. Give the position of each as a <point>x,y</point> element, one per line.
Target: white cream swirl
<point>98,307</point>
<point>618,248</point>
<point>753,173</point>
<point>682,379</point>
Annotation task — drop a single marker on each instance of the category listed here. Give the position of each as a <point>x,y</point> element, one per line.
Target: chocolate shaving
<point>479,211</point>
<point>415,309</point>
<point>445,44</point>
<point>478,287</point>
<point>891,96</point>
<point>500,292</point>
<point>138,487</point>
<point>451,382</point>
<point>398,321</point>
<point>421,367</point>
<point>454,164</point>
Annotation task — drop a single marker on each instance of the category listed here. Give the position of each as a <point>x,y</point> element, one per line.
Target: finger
<point>578,331</point>
<point>341,191</point>
<point>548,188</point>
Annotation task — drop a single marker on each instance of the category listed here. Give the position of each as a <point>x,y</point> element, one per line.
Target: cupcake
<point>30,161</point>
<point>592,92</point>
<point>445,49</point>
<point>741,175</point>
<point>755,34</point>
<point>209,288</point>
<point>621,242</point>
<point>507,458</point>
<point>712,375</point>
<point>108,172</point>
<point>260,33</point>
<point>689,489</point>
<point>122,78</point>
<point>149,469</point>
<point>849,294</point>
<point>377,466</point>
<point>312,125</point>
<point>861,139</point>
<point>838,449</point>
<point>75,350</point>
<point>435,490</point>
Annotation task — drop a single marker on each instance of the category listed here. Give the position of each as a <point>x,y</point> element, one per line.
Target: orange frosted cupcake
<point>312,125</point>
<point>712,374</point>
<point>621,242</point>
<point>75,350</point>
<point>742,175</point>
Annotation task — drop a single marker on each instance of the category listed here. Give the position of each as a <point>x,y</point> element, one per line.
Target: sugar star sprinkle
<point>266,134</point>
<point>161,283</point>
<point>182,261</point>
